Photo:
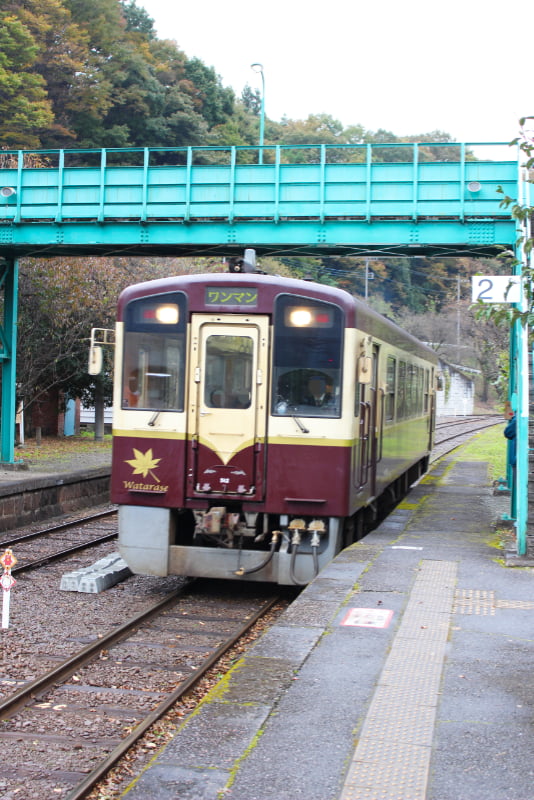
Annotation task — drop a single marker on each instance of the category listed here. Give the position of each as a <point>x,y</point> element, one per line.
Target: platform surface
<point>403,672</point>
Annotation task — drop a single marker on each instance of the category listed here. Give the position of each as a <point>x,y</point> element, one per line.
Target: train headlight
<point>308,317</point>
<point>167,314</point>
<point>300,317</point>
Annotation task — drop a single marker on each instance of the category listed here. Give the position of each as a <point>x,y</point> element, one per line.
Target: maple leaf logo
<point>144,463</point>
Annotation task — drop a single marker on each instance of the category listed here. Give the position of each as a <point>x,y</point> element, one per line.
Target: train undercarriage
<point>227,542</point>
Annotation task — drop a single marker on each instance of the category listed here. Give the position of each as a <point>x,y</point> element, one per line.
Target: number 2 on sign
<point>496,289</point>
<point>484,291</point>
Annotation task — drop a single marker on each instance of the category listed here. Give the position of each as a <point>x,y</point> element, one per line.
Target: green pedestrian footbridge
<point>307,199</point>
<point>428,198</point>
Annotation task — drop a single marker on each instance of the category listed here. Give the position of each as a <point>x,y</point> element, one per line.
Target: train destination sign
<point>496,288</point>
<point>231,297</point>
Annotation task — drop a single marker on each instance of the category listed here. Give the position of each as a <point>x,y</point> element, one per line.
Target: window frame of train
<point>426,405</point>
<point>154,353</point>
<point>229,379</point>
<point>391,387</point>
<point>306,327</point>
<point>400,405</point>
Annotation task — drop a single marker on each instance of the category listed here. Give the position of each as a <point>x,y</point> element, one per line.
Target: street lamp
<point>259,68</point>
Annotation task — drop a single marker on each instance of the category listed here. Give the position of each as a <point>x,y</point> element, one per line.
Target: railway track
<point>70,714</point>
<point>62,732</point>
<point>451,434</point>
<point>452,422</point>
<point>61,540</point>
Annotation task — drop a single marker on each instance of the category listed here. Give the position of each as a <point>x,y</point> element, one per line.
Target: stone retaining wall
<point>34,499</point>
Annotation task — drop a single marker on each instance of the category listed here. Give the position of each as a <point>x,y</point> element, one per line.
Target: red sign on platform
<point>368,617</point>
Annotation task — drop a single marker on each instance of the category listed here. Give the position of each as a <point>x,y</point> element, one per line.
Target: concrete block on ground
<point>96,578</point>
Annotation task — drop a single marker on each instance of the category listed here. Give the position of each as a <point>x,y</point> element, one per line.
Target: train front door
<point>227,406</point>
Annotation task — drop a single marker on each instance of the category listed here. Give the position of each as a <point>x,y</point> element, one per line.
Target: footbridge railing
<point>358,182</point>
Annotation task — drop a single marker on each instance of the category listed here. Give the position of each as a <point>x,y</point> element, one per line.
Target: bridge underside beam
<point>298,237</point>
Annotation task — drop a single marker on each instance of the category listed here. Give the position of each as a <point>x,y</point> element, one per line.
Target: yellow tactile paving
<point>392,757</point>
<point>484,603</point>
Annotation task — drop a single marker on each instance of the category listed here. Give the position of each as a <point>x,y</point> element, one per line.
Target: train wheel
<point>354,528</point>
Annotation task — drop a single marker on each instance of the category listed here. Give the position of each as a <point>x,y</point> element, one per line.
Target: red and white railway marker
<point>7,581</point>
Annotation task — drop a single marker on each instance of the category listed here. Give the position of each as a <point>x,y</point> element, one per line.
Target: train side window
<point>307,357</point>
<point>391,375</point>
<point>401,391</point>
<point>421,393</point>
<point>426,391</point>
<point>410,390</point>
<point>154,353</point>
<point>414,383</point>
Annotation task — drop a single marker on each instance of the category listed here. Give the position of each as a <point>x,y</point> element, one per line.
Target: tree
<point>212,100</point>
<point>60,300</point>
<point>69,68</point>
<point>137,19</point>
<point>316,130</point>
<point>524,214</point>
<point>24,107</point>
<point>78,74</point>
<point>251,99</point>
<point>458,338</point>
<point>504,316</point>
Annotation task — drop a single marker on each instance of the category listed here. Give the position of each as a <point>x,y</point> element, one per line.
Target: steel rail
<point>182,689</point>
<point>55,528</point>
<point>461,435</point>
<point>466,420</point>
<point>11,704</point>
<point>40,562</point>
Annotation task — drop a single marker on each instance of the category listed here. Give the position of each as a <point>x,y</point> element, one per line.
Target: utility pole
<point>458,318</point>
<point>369,275</point>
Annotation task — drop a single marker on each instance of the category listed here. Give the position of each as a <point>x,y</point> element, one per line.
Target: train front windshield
<point>154,353</point>
<point>307,358</point>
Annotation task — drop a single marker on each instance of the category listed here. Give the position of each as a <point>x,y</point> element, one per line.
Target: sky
<point>407,66</point>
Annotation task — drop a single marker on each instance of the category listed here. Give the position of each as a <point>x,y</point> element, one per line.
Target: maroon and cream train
<point>257,422</point>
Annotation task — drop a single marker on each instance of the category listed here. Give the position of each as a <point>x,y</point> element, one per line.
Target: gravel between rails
<point>47,625</point>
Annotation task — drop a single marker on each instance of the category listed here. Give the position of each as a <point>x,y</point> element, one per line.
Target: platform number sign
<point>496,289</point>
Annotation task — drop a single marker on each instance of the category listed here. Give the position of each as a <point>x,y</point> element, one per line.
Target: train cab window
<point>154,353</point>
<point>426,391</point>
<point>228,382</point>
<point>391,376</point>
<point>308,346</point>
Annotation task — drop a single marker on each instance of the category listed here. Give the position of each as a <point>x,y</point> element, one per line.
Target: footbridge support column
<point>8,357</point>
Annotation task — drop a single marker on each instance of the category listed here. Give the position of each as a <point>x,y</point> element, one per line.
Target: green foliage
<point>251,100</point>
<point>502,314</point>
<point>137,19</point>
<point>60,300</point>
<point>212,100</point>
<point>79,74</point>
<point>502,381</point>
<point>91,74</point>
<point>24,107</point>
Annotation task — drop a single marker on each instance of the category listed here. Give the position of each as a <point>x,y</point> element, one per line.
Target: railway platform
<point>403,672</point>
<point>41,488</point>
